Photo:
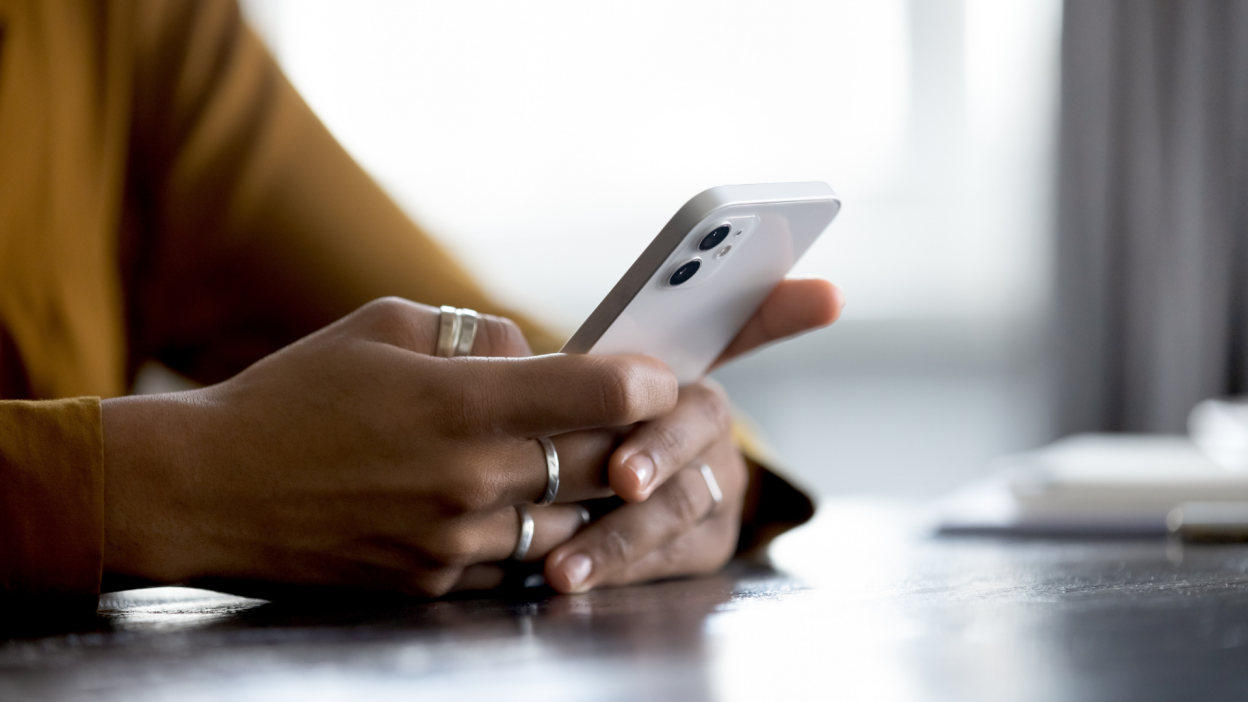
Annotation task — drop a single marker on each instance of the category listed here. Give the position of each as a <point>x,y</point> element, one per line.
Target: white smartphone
<point>706,273</point>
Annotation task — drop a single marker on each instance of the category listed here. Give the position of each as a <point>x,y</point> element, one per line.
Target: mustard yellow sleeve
<point>51,503</point>
<point>773,504</point>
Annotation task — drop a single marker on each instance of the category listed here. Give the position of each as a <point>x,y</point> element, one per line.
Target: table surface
<point>860,606</point>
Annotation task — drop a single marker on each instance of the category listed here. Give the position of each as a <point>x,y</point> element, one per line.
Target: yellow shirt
<point>165,194</point>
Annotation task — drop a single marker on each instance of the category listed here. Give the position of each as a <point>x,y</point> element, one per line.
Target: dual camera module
<point>710,241</point>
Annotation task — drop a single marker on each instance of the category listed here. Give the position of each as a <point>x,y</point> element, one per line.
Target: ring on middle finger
<point>552,471</point>
<point>527,528</point>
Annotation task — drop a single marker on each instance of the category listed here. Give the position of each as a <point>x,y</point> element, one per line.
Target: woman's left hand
<point>672,524</point>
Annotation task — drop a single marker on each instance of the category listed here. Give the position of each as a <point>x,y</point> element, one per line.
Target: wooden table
<point>860,607</point>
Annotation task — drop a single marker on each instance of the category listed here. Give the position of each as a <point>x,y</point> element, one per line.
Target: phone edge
<point>699,207</point>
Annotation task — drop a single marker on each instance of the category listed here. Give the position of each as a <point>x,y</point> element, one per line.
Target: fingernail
<point>576,569</point>
<point>642,467</point>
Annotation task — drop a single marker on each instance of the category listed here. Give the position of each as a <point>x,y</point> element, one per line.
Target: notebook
<point>1092,484</point>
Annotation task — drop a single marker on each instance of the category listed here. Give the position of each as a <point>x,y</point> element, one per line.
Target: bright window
<point>547,142</point>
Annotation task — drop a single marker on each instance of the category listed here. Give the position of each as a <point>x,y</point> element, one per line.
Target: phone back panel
<point>689,324</point>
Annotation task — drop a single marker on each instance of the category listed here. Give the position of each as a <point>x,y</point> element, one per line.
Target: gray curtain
<point>1152,246</point>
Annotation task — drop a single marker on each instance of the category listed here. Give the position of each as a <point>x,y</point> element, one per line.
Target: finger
<point>552,525</point>
<point>499,336</point>
<point>657,449</point>
<point>564,522</point>
<point>414,327</point>
<point>795,306</point>
<point>583,457</point>
<point>701,550</point>
<point>515,471</point>
<point>482,576</point>
<point>552,394</point>
<point>625,536</point>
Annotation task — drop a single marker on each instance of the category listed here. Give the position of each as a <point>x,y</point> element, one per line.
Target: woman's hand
<point>672,525</point>
<point>355,457</point>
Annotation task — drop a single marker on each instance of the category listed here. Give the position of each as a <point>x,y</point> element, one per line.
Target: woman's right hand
<point>354,457</point>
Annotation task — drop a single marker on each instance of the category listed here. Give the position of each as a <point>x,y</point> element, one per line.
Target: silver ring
<point>552,471</point>
<point>467,331</point>
<point>449,325</point>
<point>526,533</point>
<point>717,495</point>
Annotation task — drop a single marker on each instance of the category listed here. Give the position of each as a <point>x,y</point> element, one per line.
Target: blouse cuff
<point>773,504</point>
<point>51,503</point>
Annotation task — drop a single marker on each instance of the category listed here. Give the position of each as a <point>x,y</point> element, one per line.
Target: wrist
<point>146,526</point>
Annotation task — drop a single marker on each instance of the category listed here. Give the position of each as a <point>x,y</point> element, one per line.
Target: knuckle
<point>386,308</point>
<point>617,389</point>
<point>395,320</point>
<point>453,547</point>
<point>666,439</point>
<point>684,499</point>
<point>467,488</point>
<point>465,497</point>
<point>615,547</point>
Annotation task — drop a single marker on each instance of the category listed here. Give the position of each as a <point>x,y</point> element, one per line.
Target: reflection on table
<point>860,605</point>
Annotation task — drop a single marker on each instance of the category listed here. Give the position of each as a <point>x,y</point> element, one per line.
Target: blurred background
<point>547,142</point>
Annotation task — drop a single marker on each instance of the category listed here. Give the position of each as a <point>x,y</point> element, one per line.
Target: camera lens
<point>685,272</point>
<point>715,238</point>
